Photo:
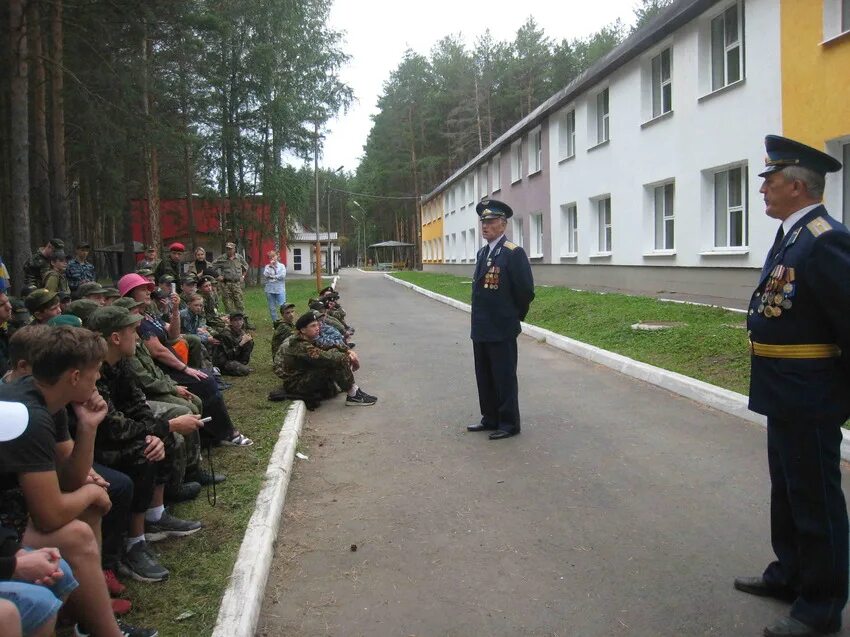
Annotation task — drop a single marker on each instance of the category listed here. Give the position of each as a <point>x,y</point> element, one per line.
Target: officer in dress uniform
<point>799,326</point>
<point>502,290</point>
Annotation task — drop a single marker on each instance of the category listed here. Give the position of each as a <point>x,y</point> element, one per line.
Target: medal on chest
<point>491,277</point>
<point>779,290</point>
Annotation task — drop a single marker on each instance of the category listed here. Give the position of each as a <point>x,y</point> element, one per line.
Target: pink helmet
<point>130,282</point>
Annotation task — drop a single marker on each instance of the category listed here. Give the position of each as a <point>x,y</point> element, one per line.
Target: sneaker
<point>126,631</point>
<point>187,491</point>
<point>113,585</point>
<point>169,526</point>
<point>140,564</point>
<point>205,477</point>
<point>359,400</point>
<point>374,399</point>
<point>121,606</point>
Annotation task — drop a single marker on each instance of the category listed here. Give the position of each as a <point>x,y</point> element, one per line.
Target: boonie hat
<point>40,299</point>
<point>111,319</point>
<point>130,282</point>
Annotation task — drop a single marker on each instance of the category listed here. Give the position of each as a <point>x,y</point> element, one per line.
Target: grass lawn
<point>201,564</point>
<point>710,344</point>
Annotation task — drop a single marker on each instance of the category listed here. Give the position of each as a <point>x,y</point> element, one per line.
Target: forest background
<point>107,101</point>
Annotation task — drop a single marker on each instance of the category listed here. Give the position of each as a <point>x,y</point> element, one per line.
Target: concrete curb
<point>718,398</point>
<point>243,599</point>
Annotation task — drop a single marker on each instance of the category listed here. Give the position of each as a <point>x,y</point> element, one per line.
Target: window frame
<point>660,83</point>
<point>536,235</point>
<point>535,150</point>
<point>714,47</point>
<point>730,209</point>
<point>517,231</point>
<point>569,230</point>
<point>496,172</point>
<point>603,116</point>
<point>663,217</point>
<point>516,161</point>
<point>605,234</point>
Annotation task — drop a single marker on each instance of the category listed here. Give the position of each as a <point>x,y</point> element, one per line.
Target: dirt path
<point>620,510</point>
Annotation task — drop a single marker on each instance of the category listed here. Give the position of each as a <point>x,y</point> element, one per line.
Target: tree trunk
<point>40,156</point>
<point>417,255</point>
<point>478,117</point>
<point>58,185</point>
<point>151,158</point>
<point>19,142</point>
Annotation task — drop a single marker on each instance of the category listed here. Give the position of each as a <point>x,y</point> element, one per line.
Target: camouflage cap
<point>111,293</point>
<point>57,244</point>
<point>58,255</point>
<point>127,302</point>
<point>113,318</point>
<point>144,271</point>
<point>165,278</point>
<point>65,320</point>
<point>90,288</point>
<point>20,311</point>
<point>81,308</point>
<point>40,299</point>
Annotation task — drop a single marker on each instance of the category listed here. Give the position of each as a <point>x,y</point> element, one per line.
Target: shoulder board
<point>509,246</point>
<point>818,226</point>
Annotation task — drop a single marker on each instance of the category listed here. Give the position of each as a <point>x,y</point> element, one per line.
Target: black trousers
<point>495,373</point>
<point>220,427</point>
<point>114,524</point>
<point>808,519</point>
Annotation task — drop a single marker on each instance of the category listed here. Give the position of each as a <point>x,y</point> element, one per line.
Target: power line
<point>363,194</point>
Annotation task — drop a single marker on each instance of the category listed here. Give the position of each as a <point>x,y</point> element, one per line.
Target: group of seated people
<point>105,402</point>
<point>314,356</point>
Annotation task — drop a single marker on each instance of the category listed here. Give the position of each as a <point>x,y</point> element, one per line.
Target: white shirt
<point>493,243</point>
<point>794,217</point>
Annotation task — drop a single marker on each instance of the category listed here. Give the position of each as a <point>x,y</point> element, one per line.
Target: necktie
<point>780,234</point>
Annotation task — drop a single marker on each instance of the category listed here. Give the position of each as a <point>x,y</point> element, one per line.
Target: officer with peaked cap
<point>502,290</point>
<point>799,325</point>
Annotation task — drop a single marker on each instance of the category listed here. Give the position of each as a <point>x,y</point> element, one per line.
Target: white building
<point>301,250</point>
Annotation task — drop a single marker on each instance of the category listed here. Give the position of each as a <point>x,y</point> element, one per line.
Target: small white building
<point>301,250</point>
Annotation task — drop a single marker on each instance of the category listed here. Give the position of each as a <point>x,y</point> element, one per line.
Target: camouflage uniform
<point>214,322</point>
<point>232,271</point>
<point>339,314</point>
<point>334,323</point>
<point>187,449</point>
<point>310,371</point>
<point>35,268</point>
<point>56,281</point>
<point>282,331</point>
<point>231,357</point>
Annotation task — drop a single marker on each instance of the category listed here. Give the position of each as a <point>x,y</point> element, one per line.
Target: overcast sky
<point>377,33</point>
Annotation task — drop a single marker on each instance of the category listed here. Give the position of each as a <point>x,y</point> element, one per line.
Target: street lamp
<point>358,221</point>
<point>364,229</point>
<point>328,206</point>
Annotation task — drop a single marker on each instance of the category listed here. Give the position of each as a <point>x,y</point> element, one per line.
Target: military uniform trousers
<point>232,296</point>
<point>495,373</point>
<point>319,382</point>
<point>808,519</point>
<point>187,449</point>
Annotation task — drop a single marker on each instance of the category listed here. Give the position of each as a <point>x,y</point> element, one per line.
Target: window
<point>296,258</point>
<point>730,208</point>
<point>662,84</point>
<point>664,237</point>
<point>454,246</point>
<point>602,124</point>
<point>516,161</point>
<point>535,151</point>
<point>569,230</point>
<point>516,231</point>
<point>496,172</point>
<point>845,19</point>
<point>482,181</point>
<point>567,135</point>
<point>470,189</point>
<point>473,247</point>
<point>462,250</point>
<point>727,59</point>
<point>836,18</point>
<point>537,235</point>
<point>603,220</point>
<point>845,194</point>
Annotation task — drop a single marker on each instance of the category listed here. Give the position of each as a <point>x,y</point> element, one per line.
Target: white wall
<point>703,132</point>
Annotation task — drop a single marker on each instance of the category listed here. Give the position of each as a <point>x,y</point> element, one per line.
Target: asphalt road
<point>622,509</point>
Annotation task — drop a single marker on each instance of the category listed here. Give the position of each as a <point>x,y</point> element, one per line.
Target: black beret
<point>304,320</point>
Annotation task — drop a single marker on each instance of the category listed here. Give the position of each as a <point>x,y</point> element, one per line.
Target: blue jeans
<point>276,299</point>
<point>36,603</point>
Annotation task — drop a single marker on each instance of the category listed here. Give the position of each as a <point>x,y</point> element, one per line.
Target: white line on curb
<point>710,395</point>
<point>240,606</point>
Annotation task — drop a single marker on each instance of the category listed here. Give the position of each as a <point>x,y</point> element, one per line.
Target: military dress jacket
<point>502,291</point>
<point>799,324</point>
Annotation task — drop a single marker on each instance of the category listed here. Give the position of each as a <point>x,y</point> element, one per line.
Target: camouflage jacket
<point>79,273</point>
<point>228,347</point>
<point>150,377</point>
<point>298,356</point>
<point>214,321</point>
<point>56,282</point>
<point>129,419</point>
<point>339,314</point>
<point>231,269</point>
<point>282,331</point>
<point>35,268</point>
<point>330,337</point>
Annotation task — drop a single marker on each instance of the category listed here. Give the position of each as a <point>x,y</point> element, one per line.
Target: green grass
<point>201,564</point>
<point>710,345</point>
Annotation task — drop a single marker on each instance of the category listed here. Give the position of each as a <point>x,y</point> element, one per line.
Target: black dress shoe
<point>790,627</point>
<point>187,491</point>
<point>501,433</point>
<point>757,586</point>
<point>479,428</point>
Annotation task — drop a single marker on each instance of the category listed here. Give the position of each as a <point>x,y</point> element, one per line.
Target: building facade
<point>642,173</point>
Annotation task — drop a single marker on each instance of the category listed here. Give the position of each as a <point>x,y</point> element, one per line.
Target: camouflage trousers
<point>232,296</point>
<point>319,382</point>
<point>186,451</point>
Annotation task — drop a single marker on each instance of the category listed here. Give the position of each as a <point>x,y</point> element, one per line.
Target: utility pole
<point>316,176</point>
<point>328,206</point>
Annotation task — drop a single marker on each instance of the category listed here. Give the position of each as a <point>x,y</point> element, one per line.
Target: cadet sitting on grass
<point>313,373</point>
<point>232,355</point>
<point>285,327</point>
